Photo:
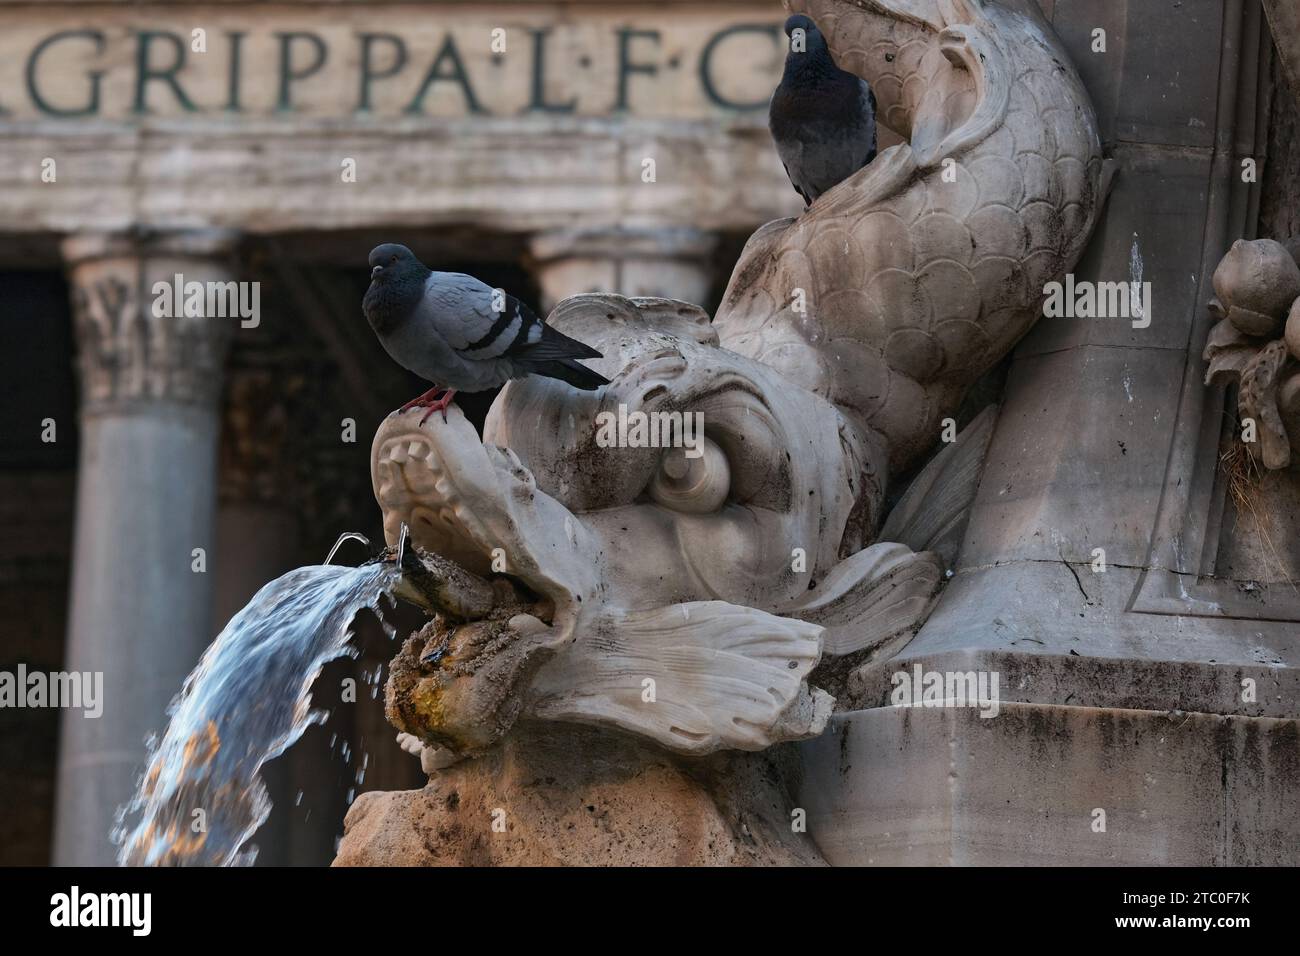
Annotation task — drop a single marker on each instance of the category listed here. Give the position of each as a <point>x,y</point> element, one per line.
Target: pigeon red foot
<point>438,406</point>
<point>422,401</point>
<point>431,402</point>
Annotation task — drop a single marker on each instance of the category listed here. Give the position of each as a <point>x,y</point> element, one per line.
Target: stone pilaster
<point>675,263</point>
<point>146,493</point>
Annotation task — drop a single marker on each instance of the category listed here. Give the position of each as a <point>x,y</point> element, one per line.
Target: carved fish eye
<point>692,485</point>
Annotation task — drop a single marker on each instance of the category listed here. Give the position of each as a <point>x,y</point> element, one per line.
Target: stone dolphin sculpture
<point>690,601</point>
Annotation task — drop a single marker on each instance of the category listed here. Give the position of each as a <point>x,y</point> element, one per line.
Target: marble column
<point>141,597</point>
<point>673,262</point>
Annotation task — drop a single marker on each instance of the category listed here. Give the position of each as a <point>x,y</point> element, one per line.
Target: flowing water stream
<point>248,700</point>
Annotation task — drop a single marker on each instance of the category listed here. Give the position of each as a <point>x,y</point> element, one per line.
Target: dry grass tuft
<point>1244,474</point>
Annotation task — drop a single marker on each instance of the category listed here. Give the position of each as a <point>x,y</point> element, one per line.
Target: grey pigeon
<point>823,119</point>
<point>454,330</point>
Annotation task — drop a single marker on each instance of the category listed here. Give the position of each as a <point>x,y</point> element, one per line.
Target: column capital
<point>140,339</point>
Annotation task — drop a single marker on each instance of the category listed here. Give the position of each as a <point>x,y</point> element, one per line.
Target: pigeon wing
<point>476,321</point>
<point>494,336</point>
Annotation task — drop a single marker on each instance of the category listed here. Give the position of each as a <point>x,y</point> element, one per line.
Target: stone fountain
<point>673,618</point>
<point>650,655</point>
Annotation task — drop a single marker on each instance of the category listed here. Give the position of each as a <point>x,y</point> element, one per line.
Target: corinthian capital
<point>133,347</point>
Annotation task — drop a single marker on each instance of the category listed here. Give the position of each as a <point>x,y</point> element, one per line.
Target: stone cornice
<point>264,181</point>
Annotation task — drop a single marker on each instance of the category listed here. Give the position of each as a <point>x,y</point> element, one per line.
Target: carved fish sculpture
<point>689,601</point>
<point>898,288</point>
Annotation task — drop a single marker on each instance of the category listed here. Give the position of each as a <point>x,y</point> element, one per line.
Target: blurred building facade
<point>158,469</point>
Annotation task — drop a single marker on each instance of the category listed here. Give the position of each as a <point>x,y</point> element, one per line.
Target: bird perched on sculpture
<point>462,334</point>
<point>823,119</point>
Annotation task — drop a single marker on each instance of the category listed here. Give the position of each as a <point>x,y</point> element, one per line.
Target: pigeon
<point>823,120</point>
<point>452,329</point>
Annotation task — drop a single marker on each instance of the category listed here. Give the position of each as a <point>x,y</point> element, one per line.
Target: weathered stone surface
<point>1141,84</point>
<point>920,786</point>
<point>254,134</point>
<point>1284,19</point>
<point>577,797</point>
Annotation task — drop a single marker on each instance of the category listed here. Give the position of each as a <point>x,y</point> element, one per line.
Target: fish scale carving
<point>914,283</point>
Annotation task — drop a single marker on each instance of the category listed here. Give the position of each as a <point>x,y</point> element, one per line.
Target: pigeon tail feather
<point>567,370</point>
<point>553,344</point>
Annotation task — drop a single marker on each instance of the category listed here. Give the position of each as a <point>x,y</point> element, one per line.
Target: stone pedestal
<point>1044,785</point>
<point>141,607</point>
<point>668,262</point>
<point>563,795</point>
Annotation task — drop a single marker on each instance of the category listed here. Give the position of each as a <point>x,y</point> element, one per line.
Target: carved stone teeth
<point>398,452</point>
<point>418,449</point>
<point>466,519</point>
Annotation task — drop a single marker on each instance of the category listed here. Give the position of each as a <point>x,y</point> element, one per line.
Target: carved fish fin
<point>958,11</point>
<point>695,677</point>
<point>882,592</point>
<point>971,48</point>
<point>885,592</point>
<point>931,515</point>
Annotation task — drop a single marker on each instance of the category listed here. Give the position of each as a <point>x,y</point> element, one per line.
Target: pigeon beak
<point>375,271</point>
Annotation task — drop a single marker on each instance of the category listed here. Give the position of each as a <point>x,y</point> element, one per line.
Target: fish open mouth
<point>451,591</point>
<point>503,567</point>
<point>494,629</point>
<point>484,533</point>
